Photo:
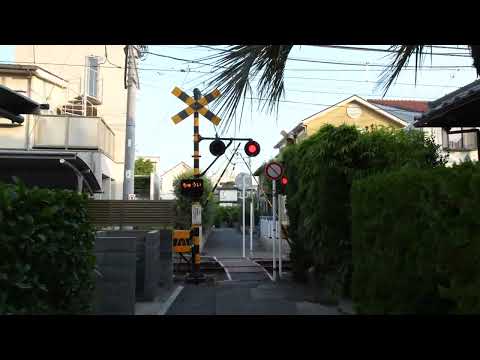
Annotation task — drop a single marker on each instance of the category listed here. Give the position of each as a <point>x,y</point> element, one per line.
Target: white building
<point>84,126</point>
<point>168,177</point>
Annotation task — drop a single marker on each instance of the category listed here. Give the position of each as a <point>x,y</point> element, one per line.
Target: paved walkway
<point>228,242</point>
<point>248,290</point>
<point>248,298</point>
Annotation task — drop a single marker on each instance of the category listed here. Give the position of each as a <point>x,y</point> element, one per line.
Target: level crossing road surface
<point>249,289</point>
<point>227,243</point>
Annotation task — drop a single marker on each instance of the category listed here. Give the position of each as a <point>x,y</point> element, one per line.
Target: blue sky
<point>306,82</point>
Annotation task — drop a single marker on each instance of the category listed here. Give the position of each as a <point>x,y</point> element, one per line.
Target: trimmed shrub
<point>416,241</point>
<point>46,251</point>
<point>321,170</point>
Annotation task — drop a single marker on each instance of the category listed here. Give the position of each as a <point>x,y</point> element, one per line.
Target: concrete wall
<point>153,267</point>
<point>165,269</point>
<point>115,288</point>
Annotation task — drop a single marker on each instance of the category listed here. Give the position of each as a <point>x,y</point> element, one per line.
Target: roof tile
<point>411,105</point>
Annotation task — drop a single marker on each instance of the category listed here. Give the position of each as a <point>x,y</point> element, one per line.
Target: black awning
<point>13,104</point>
<point>44,169</point>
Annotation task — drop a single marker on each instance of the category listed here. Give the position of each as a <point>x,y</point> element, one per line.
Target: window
<point>464,141</point>
<point>92,76</point>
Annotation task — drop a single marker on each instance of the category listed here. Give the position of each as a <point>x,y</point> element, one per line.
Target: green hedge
<point>46,251</point>
<point>416,241</point>
<point>320,171</point>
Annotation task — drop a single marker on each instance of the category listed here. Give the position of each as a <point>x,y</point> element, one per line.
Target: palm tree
<point>236,66</point>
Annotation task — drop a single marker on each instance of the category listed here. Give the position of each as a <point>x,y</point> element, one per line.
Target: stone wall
<point>115,285</point>
<point>139,262</point>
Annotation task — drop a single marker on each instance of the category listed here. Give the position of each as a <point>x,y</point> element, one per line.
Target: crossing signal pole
<point>196,105</point>
<point>194,187</point>
<point>196,206</point>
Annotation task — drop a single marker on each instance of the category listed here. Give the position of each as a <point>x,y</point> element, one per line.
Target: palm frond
<point>401,57</point>
<point>236,67</point>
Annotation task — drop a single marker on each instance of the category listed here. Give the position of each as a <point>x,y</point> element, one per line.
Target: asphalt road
<point>227,242</point>
<point>249,291</point>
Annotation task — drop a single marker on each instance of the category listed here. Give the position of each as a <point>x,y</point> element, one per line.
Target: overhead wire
<point>328,105</point>
<point>346,47</point>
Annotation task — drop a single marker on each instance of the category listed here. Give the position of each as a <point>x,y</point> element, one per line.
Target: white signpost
<point>196,214</point>
<point>242,180</point>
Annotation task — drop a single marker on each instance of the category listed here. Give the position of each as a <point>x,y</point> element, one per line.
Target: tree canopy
<point>236,67</point>
<point>143,166</point>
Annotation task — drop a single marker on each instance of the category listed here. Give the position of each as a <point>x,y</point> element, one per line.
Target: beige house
<point>84,86</point>
<point>351,111</point>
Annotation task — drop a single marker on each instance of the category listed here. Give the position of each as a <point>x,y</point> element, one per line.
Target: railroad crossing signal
<point>252,148</point>
<point>283,185</point>
<point>194,105</point>
<point>192,188</point>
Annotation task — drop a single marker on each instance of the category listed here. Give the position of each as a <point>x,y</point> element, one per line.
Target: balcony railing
<point>74,133</point>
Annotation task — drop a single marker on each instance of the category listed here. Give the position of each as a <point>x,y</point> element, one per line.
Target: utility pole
<point>131,52</point>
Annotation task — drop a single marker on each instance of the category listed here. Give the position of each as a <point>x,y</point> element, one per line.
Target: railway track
<point>212,266</point>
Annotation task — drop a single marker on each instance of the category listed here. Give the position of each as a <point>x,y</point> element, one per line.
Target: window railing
<point>74,133</point>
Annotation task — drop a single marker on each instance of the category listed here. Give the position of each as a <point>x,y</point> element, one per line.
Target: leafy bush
<point>184,204</point>
<point>320,171</point>
<point>143,166</point>
<point>416,241</point>
<point>46,251</point>
<point>227,216</point>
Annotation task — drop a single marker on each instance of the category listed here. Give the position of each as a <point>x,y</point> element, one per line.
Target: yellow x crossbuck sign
<point>195,106</point>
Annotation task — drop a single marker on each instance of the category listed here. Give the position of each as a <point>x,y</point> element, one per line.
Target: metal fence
<point>156,213</point>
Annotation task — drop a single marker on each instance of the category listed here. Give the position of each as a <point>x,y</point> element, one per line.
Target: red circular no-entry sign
<point>274,170</point>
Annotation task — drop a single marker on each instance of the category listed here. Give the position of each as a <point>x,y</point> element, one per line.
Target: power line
<point>343,47</point>
<point>182,59</point>
<point>378,65</point>
<point>362,49</point>
<point>367,81</point>
<point>208,72</point>
<point>327,105</point>
<point>318,61</point>
<point>344,93</point>
<point>334,92</point>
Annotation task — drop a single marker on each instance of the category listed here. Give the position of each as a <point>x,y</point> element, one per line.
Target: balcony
<point>74,133</point>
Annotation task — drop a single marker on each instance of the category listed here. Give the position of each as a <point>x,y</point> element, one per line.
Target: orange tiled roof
<point>411,105</point>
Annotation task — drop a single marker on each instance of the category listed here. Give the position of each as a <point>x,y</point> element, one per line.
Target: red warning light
<point>284,180</point>
<point>252,148</point>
